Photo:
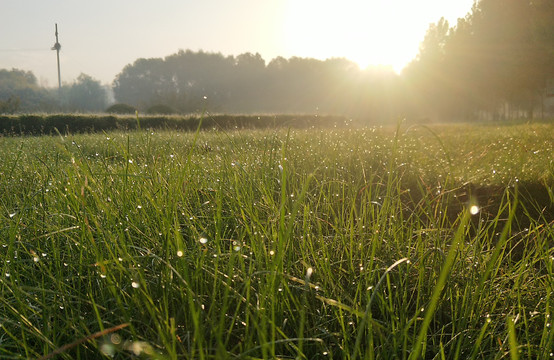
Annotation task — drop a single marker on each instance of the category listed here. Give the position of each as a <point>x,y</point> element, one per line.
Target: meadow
<point>401,242</point>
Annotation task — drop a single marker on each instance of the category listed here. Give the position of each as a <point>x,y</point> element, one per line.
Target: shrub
<point>121,109</point>
<point>161,109</point>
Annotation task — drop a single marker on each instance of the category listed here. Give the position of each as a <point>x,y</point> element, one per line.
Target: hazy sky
<point>100,37</point>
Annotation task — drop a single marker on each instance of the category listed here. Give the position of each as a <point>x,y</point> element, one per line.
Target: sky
<point>100,37</point>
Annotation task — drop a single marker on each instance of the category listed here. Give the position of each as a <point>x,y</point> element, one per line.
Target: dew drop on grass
<point>36,259</point>
<point>12,215</point>
<point>139,206</point>
<point>179,253</point>
<point>107,349</point>
<point>115,339</point>
<point>203,240</point>
<point>474,209</point>
<point>309,273</point>
<point>135,284</point>
<point>271,253</point>
<point>8,275</point>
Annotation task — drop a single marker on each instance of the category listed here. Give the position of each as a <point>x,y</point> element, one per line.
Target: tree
<point>19,91</point>
<point>84,95</point>
<point>17,79</point>
<point>248,83</point>
<point>141,83</point>
<point>427,82</point>
<point>496,60</point>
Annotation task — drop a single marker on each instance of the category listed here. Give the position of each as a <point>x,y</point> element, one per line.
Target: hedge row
<point>76,123</point>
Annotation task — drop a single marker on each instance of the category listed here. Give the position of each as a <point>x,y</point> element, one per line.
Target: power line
<point>24,50</point>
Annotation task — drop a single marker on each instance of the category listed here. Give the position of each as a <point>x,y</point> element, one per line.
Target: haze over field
<point>99,38</point>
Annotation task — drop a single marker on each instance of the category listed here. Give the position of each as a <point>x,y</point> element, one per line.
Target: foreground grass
<point>258,244</point>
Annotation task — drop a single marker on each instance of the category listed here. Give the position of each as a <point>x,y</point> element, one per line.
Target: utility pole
<point>57,46</point>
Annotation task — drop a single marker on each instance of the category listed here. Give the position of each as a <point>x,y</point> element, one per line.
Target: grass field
<point>411,242</point>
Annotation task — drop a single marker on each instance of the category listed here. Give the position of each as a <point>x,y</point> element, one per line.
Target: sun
<point>366,32</point>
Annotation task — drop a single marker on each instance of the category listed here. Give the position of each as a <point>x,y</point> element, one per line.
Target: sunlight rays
<point>366,32</point>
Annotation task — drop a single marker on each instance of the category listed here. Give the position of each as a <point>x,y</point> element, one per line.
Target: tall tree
<point>497,59</point>
<point>427,83</point>
<point>141,83</point>
<point>19,91</point>
<point>85,95</point>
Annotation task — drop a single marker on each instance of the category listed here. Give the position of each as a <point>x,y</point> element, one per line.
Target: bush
<point>121,109</point>
<point>161,109</point>
<point>36,124</point>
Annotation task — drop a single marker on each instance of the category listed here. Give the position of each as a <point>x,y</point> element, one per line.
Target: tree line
<point>20,92</point>
<point>496,62</point>
<point>191,81</point>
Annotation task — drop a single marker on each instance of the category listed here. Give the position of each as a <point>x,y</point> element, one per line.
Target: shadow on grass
<point>535,208</point>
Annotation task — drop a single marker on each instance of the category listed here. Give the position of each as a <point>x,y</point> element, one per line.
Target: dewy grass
<point>337,243</point>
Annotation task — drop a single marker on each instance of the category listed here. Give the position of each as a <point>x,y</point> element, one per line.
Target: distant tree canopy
<point>495,61</point>
<point>192,81</point>
<point>84,95</point>
<point>19,91</point>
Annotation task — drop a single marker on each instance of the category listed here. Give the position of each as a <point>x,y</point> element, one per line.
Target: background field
<point>274,243</point>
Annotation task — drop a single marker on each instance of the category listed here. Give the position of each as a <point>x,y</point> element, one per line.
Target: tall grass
<point>277,244</point>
